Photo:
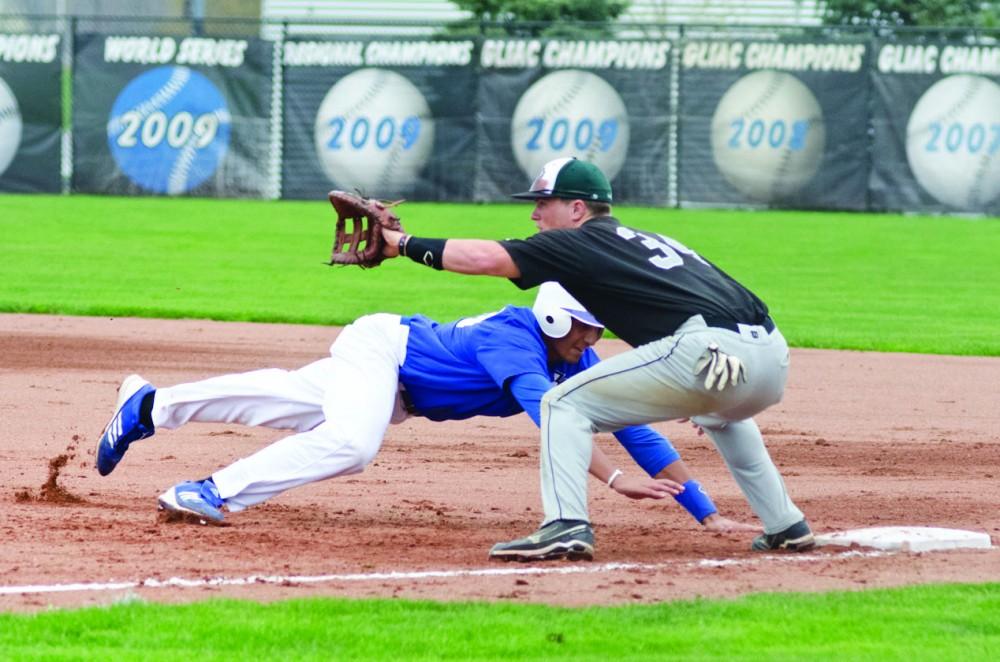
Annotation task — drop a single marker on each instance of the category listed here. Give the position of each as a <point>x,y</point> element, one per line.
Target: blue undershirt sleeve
<point>650,449</point>
<point>528,390</point>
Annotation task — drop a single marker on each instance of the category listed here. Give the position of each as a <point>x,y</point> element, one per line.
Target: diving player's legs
<point>327,451</point>
<point>273,398</point>
<point>359,394</point>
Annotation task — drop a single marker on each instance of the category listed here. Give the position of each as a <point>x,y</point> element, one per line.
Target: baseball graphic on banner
<point>768,135</point>
<point>169,129</point>
<point>10,126</point>
<point>953,141</point>
<point>374,132</point>
<point>570,113</point>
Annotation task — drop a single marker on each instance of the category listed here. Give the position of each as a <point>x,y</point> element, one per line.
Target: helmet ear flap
<point>550,310</point>
<point>555,322</point>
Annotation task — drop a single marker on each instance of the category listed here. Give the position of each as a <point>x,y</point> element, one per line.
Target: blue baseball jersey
<point>497,364</point>
<point>464,368</point>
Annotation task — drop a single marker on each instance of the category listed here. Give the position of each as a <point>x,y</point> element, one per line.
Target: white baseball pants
<point>339,407</point>
<point>656,382</point>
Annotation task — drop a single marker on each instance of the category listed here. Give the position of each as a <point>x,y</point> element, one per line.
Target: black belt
<point>719,323</point>
<point>407,401</point>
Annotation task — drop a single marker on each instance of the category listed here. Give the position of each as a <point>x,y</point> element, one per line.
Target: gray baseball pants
<point>656,382</point>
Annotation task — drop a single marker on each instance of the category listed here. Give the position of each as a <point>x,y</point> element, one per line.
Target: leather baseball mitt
<point>362,245</point>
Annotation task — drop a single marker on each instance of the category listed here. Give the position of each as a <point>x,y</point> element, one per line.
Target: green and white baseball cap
<point>570,179</point>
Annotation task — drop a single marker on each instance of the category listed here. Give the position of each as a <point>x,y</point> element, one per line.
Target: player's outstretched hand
<point>718,524</point>
<point>641,487</point>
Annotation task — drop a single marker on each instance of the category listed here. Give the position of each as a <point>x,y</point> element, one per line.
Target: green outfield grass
<point>948,622</point>
<point>851,281</point>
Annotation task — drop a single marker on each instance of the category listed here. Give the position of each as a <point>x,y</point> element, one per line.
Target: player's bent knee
<point>566,411</point>
<point>335,453</point>
<point>360,453</point>
<point>367,454</point>
<point>557,395</point>
<point>550,397</point>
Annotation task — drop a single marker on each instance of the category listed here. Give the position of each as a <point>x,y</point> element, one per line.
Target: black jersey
<point>639,284</point>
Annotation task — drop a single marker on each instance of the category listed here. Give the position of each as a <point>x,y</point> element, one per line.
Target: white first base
<point>908,538</point>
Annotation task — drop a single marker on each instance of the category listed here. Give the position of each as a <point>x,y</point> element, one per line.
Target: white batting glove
<point>722,368</point>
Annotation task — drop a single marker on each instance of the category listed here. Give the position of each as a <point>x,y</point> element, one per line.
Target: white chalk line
<point>180,582</point>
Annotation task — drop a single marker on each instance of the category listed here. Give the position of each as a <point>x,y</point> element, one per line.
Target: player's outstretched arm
<point>479,256</point>
<point>465,256</point>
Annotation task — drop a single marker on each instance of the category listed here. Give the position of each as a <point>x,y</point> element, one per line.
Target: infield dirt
<point>863,439</point>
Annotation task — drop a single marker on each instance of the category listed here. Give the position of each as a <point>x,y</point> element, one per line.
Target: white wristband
<point>614,475</point>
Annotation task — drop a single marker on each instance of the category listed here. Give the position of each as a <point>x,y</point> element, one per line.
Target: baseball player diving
<point>704,348</point>
<point>382,369</point>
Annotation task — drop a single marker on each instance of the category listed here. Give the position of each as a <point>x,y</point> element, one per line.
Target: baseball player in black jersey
<point>704,348</point>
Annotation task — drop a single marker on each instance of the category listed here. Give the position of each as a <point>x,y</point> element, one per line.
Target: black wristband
<point>402,244</point>
<point>429,252</point>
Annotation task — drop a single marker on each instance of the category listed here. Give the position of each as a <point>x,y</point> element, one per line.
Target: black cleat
<point>796,538</point>
<point>563,538</point>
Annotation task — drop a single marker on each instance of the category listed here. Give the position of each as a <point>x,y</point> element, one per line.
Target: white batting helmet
<point>555,309</point>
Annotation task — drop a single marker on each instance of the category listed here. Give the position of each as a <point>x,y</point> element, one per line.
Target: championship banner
<point>780,124</point>
<point>937,127</point>
<point>607,102</point>
<point>171,116</point>
<point>30,113</point>
<point>388,118</point>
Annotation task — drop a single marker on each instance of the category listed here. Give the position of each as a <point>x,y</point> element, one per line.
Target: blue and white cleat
<point>125,426</point>
<point>197,499</point>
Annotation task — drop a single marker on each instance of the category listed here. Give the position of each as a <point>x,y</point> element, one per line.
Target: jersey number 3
<point>670,250</point>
